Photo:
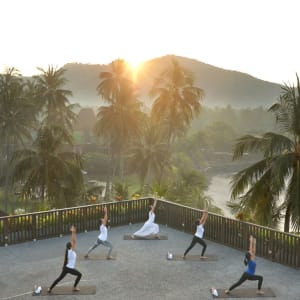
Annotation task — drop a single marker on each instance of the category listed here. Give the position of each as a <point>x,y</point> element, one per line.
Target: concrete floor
<point>140,271</point>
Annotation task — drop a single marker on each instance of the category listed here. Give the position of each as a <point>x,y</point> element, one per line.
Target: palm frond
<point>247,177</point>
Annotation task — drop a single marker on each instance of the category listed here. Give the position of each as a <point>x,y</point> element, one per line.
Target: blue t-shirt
<point>251,267</point>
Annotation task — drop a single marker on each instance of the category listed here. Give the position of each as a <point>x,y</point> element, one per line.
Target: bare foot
<point>76,289</point>
<point>259,292</point>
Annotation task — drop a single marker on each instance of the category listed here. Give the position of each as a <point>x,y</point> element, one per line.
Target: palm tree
<point>187,187</point>
<point>278,172</point>
<point>112,81</point>
<point>17,118</point>
<point>120,121</point>
<point>46,171</point>
<point>258,195</point>
<point>148,153</point>
<point>176,101</point>
<point>52,98</point>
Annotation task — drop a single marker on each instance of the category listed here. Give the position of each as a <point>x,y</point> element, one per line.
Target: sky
<point>257,37</point>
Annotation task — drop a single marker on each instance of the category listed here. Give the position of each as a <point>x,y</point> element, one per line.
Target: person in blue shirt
<point>249,274</point>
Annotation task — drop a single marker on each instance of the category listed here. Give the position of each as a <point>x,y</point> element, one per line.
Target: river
<point>219,191</point>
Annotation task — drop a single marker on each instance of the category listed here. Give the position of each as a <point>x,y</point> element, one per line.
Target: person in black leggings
<point>198,237</point>
<point>69,263</point>
<point>249,274</point>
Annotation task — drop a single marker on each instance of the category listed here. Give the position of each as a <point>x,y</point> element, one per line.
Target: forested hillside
<point>222,87</point>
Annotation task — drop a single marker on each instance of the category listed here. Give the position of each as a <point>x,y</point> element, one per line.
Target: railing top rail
<point>147,198</point>
<point>70,208</point>
<point>244,222</point>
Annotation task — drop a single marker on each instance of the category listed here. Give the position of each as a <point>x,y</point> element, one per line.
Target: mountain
<point>222,87</point>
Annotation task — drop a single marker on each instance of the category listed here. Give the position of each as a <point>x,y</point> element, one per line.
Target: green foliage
<point>17,119</point>
<point>242,121</point>
<point>96,164</point>
<point>121,191</point>
<point>277,173</point>
<point>149,153</point>
<point>187,187</point>
<point>120,121</point>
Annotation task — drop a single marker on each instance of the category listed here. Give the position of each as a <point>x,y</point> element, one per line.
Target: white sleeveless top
<point>200,231</point>
<point>151,218</point>
<point>71,259</point>
<point>103,233</point>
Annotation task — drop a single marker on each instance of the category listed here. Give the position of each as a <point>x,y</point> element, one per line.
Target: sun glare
<point>134,66</point>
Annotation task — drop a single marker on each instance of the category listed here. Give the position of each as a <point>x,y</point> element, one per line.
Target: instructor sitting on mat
<point>69,263</point>
<point>149,228</point>
<point>249,274</point>
<point>198,237</point>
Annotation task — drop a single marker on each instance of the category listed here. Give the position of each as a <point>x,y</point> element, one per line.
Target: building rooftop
<point>140,271</point>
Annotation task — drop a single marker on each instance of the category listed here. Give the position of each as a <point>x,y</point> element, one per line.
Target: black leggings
<point>193,243</point>
<point>64,272</point>
<point>245,277</point>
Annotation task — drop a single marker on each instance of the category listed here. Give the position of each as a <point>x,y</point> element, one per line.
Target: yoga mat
<point>68,290</point>
<point>245,293</point>
<point>95,256</point>
<point>150,237</point>
<point>194,257</point>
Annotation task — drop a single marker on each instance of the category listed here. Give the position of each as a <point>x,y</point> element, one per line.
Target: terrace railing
<point>271,244</point>
<point>274,245</point>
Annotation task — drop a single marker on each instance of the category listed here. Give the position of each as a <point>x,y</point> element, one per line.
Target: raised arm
<point>105,217</point>
<point>154,205</point>
<point>73,237</point>
<point>252,246</point>
<point>204,216</point>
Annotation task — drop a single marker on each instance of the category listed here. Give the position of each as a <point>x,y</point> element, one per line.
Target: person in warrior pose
<point>249,273</point>
<point>69,263</point>
<point>102,237</point>
<point>198,236</point>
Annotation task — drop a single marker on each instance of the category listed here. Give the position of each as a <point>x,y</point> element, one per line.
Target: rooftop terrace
<point>140,271</point>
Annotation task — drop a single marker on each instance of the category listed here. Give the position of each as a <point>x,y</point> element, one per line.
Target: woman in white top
<point>69,263</point>
<point>102,237</point>
<point>198,237</point>
<point>149,227</point>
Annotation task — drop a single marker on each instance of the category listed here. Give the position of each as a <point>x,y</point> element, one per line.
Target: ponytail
<point>247,258</point>
<point>66,257</point>
<point>68,247</point>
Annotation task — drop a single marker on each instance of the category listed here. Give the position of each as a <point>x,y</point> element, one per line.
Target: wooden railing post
<point>33,228</point>
<point>271,250</point>
<point>60,223</point>
<point>298,254</point>
<point>223,229</point>
<point>1,232</point>
<point>5,231</point>
<point>129,221</point>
